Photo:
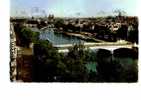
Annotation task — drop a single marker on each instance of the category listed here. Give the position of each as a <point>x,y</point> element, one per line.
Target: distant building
<point>51,18</point>
<point>13,54</point>
<point>114,27</point>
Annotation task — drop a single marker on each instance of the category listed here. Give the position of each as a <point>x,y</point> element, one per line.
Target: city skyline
<point>68,8</point>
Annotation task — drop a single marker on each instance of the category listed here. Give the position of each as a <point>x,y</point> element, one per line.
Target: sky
<point>71,8</point>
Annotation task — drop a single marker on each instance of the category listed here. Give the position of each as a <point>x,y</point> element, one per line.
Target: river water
<point>59,38</point>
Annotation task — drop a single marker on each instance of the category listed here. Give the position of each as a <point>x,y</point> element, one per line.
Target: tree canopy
<point>25,35</point>
<point>51,66</point>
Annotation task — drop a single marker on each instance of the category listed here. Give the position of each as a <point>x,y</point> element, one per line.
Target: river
<point>59,38</point>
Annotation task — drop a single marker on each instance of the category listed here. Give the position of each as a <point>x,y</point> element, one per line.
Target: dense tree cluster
<point>51,66</point>
<point>25,35</point>
<point>133,34</point>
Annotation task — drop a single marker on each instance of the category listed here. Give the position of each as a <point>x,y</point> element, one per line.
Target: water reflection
<point>59,38</point>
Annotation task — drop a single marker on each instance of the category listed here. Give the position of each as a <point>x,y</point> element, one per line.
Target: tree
<point>28,36</point>
<point>25,35</point>
<point>59,23</point>
<point>133,34</point>
<point>122,32</point>
<point>48,63</point>
<point>76,64</point>
<point>17,29</point>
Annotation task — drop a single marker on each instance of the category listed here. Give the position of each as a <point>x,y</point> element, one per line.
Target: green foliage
<point>25,35</point>
<point>76,63</point>
<point>51,66</point>
<point>48,62</point>
<point>28,36</point>
<point>133,36</point>
<point>59,23</point>
<point>122,32</point>
<point>77,52</point>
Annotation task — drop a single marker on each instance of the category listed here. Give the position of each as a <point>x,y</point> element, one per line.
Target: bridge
<point>95,46</point>
<point>91,45</point>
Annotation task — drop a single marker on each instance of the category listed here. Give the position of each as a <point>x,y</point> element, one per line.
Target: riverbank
<point>83,36</point>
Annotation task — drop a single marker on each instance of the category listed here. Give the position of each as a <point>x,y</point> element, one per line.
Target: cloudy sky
<point>71,8</point>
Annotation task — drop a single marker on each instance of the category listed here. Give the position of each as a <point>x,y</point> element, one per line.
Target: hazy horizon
<point>71,8</point>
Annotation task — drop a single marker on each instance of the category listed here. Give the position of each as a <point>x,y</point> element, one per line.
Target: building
<point>13,54</point>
